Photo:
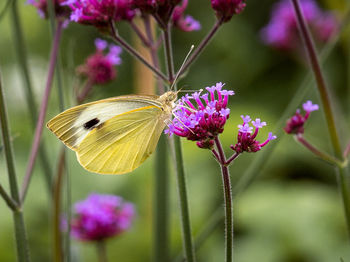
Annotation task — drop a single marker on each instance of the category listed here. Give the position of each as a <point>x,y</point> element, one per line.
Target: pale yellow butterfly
<point>114,135</point>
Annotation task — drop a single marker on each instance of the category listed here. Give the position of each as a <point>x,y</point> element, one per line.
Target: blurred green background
<point>291,213</point>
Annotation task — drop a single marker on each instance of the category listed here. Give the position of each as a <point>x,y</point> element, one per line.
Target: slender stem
<point>233,157</point>
<point>9,201</point>
<point>185,214</point>
<point>216,156</point>
<point>20,231</point>
<point>321,83</point>
<point>161,187</point>
<point>201,46</point>
<point>161,207</point>
<point>326,102</point>
<point>3,11</point>
<point>228,202</point>
<point>22,57</point>
<point>42,112</point>
<point>343,177</point>
<point>85,92</point>
<point>57,236</point>
<point>180,171</point>
<point>168,53</point>
<point>323,155</point>
<point>347,151</point>
<point>138,32</point>
<point>135,54</point>
<point>153,51</point>
<point>101,251</point>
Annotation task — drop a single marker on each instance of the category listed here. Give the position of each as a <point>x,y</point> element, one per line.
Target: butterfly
<point>114,135</point>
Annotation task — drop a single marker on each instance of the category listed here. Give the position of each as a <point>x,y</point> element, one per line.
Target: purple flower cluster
<point>282,32</point>
<point>246,139</point>
<point>201,117</point>
<point>101,216</point>
<point>295,124</point>
<point>99,68</point>
<point>41,6</point>
<point>225,9</point>
<point>101,12</point>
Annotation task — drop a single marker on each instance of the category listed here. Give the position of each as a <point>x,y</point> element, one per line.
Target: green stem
<point>180,171</point>
<point>9,201</point>
<point>326,102</point>
<point>201,46</point>
<point>134,53</point>
<point>185,214</point>
<point>228,201</point>
<point>21,52</point>
<point>321,83</point>
<point>343,181</point>
<point>20,231</point>
<point>161,206</point>
<point>169,53</point>
<point>57,235</point>
<point>101,251</point>
<point>323,155</point>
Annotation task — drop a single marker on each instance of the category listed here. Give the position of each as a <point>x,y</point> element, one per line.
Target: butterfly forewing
<point>74,124</point>
<point>123,142</point>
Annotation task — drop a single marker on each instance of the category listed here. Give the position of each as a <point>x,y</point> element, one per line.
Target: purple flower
<point>225,9</point>
<point>246,139</point>
<point>41,6</point>
<point>295,124</point>
<point>201,117</point>
<point>99,12</point>
<point>101,216</point>
<point>99,68</point>
<point>185,23</point>
<point>282,30</point>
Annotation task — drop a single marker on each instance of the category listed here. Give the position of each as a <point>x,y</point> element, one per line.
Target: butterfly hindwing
<point>123,142</point>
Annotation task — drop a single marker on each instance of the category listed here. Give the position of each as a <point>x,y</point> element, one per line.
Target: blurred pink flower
<point>101,216</point>
<point>282,30</point>
<point>99,68</point>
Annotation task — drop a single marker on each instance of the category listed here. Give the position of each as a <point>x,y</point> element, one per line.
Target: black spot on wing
<point>92,123</point>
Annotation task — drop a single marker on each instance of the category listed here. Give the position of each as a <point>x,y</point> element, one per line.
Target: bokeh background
<point>292,212</point>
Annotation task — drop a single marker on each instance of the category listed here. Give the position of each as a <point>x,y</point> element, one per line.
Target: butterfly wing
<point>123,142</point>
<point>74,124</point>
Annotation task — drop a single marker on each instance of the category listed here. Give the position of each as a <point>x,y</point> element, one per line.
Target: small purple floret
<point>295,124</point>
<point>309,107</point>
<point>246,139</point>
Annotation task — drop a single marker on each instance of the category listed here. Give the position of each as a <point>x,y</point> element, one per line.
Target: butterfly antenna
<point>181,67</point>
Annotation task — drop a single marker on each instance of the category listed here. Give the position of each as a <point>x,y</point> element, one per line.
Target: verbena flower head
<point>99,12</point>
<point>282,30</point>
<point>246,139</point>
<point>295,124</point>
<point>225,9</point>
<point>185,23</point>
<point>101,216</point>
<point>42,8</point>
<point>99,68</point>
<point>201,117</point>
